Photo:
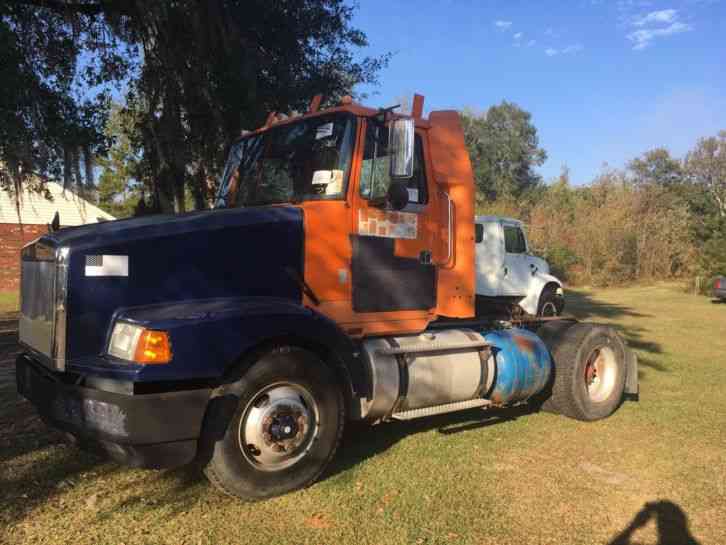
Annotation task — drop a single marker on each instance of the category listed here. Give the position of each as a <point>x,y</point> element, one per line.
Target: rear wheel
<point>589,370</point>
<point>285,425</point>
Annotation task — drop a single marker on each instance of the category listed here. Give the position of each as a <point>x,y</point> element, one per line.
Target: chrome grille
<point>42,301</point>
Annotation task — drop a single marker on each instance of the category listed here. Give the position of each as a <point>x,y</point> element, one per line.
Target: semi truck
<point>334,280</point>
<point>508,273</point>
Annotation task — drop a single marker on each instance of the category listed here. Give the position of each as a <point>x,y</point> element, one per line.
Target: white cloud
<point>664,16</point>
<point>570,49</point>
<point>518,35</point>
<point>653,25</point>
<point>503,25</point>
<point>531,43</point>
<point>574,48</point>
<point>644,37</point>
<point>626,5</point>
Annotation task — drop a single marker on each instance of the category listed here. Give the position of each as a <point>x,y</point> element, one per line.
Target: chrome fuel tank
<point>430,369</point>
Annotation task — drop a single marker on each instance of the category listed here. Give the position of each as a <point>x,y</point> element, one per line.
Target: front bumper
<point>151,430</point>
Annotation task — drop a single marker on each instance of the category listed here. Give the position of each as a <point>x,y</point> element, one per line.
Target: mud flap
<point>632,386</point>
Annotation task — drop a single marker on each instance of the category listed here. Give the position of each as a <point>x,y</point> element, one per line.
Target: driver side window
<point>374,176</point>
<point>514,241</point>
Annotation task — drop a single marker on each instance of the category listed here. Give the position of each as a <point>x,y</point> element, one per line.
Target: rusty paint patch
<point>525,344</point>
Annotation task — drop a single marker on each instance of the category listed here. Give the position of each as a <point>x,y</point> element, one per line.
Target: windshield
<point>304,160</point>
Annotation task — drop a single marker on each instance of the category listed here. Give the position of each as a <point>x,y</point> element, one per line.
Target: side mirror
<point>401,133</point>
<point>397,195</point>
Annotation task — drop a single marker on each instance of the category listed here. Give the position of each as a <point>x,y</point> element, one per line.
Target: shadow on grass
<point>671,521</point>
<point>362,441</point>
<point>183,487</point>
<point>35,463</point>
<point>584,307</point>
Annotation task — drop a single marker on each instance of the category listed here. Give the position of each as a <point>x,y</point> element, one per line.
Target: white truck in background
<point>507,273</point>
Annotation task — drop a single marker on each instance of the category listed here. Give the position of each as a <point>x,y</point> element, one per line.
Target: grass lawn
<point>9,301</point>
<point>656,469</point>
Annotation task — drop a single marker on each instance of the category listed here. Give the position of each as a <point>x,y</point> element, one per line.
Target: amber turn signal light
<point>153,347</point>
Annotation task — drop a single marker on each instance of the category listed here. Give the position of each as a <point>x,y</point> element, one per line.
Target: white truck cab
<point>506,271</point>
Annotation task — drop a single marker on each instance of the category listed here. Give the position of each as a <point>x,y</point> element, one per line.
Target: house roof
<point>36,209</point>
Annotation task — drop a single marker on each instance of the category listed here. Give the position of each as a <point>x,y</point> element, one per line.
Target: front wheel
<point>286,424</point>
<point>551,303</point>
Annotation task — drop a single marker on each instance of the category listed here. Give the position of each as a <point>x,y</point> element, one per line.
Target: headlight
<point>138,344</point>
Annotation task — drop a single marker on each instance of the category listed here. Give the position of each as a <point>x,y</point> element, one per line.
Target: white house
<point>17,227</point>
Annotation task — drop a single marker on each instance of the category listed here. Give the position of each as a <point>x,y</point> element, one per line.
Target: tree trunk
<point>76,166</point>
<point>88,163</point>
<point>163,192</point>
<point>67,169</point>
<point>180,204</point>
<point>199,189</point>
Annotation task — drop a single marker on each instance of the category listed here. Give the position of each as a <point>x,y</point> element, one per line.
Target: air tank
<point>523,365</point>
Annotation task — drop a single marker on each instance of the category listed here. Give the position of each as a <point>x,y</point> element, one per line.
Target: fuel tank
<point>523,365</point>
<point>451,367</point>
<point>433,368</point>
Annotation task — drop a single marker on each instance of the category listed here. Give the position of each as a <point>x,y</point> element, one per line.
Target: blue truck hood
<point>233,253</point>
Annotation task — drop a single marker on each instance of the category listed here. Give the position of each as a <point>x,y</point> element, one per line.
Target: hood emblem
<point>107,265</point>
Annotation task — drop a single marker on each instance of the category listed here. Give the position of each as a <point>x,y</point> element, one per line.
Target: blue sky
<point>604,80</point>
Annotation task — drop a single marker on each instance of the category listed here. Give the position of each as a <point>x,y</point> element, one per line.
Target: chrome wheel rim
<point>601,373</point>
<point>549,309</point>
<point>278,427</point>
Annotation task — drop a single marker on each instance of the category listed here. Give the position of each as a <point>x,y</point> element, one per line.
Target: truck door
<point>489,259</point>
<point>515,273</point>
<point>392,268</point>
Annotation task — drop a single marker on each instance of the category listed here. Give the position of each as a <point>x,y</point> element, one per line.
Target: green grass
<point>9,301</point>
<point>474,477</point>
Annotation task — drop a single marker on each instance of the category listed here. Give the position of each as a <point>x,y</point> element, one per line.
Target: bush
<point>562,262</point>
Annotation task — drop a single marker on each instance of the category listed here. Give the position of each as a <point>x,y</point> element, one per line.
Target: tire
<point>550,303</point>
<point>590,367</point>
<point>551,334</point>
<point>276,428</point>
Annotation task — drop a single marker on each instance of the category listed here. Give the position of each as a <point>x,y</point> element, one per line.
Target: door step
<point>432,347</point>
<point>441,409</point>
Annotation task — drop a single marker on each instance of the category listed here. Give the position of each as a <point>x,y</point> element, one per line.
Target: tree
<point>48,128</point>
<point>656,167</point>
<point>662,212</point>
<point>118,190</point>
<point>214,68</point>
<point>504,150</point>
<point>201,71</point>
<point>706,168</point>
